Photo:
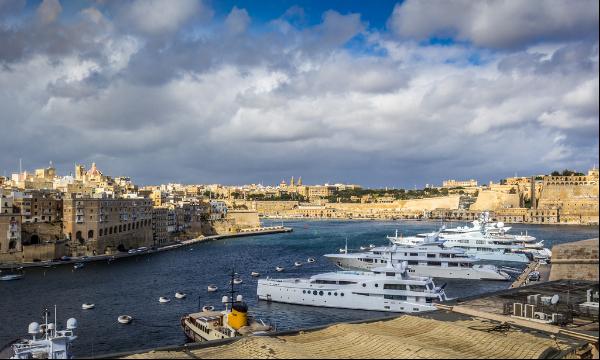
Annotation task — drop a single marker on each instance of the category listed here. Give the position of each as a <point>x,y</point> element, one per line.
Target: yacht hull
<point>476,272</point>
<point>331,296</point>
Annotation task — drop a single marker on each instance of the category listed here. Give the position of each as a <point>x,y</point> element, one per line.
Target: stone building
<point>38,205</point>
<point>160,220</point>
<point>10,228</point>
<point>460,183</point>
<point>106,225</point>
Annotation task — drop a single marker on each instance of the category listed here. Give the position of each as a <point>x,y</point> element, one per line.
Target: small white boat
<point>208,308</point>
<point>297,263</point>
<point>78,266</point>
<point>279,269</point>
<point>180,295</point>
<point>163,300</point>
<point>363,248</point>
<point>311,260</point>
<point>124,319</point>
<point>212,288</point>
<point>371,246</point>
<point>10,277</point>
<point>87,306</point>
<point>255,274</point>
<point>237,281</point>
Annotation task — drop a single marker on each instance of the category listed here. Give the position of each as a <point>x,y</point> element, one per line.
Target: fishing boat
<point>163,300</point>
<point>311,260</point>
<point>212,288</point>
<point>233,321</point>
<point>255,274</point>
<point>180,295</point>
<point>279,269</point>
<point>78,265</point>
<point>88,306</point>
<point>297,263</point>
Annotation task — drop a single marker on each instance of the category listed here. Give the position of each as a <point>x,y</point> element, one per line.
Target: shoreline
<point>50,264</point>
<point>423,220</point>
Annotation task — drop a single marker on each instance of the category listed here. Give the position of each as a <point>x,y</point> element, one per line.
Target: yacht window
<point>363,294</point>
<point>414,254</point>
<point>304,291</point>
<point>390,274</point>
<point>431,255</point>
<point>364,285</point>
<point>334,294</point>
<point>321,293</point>
<point>341,294</point>
<point>445,255</point>
<point>417,288</point>
<point>346,282</point>
<point>464,265</point>
<point>452,264</point>
<point>434,263</point>
<point>413,262</point>
<point>394,287</point>
<point>315,292</point>
<point>394,297</point>
<point>329,293</point>
<point>366,260</point>
<point>376,285</point>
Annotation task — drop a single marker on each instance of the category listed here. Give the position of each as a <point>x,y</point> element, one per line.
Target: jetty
<point>182,243</point>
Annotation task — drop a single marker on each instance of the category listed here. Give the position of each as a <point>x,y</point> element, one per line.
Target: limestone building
<point>105,225</point>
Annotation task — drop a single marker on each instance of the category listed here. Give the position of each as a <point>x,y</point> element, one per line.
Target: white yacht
<point>490,242</point>
<point>390,288</point>
<point>432,259</point>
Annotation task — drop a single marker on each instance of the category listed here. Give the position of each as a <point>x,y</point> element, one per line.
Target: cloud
<point>233,100</point>
<point>157,17</point>
<point>497,23</point>
<point>48,11</point>
<point>237,21</point>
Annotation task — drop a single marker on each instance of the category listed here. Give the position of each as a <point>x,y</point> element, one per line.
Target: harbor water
<point>132,286</point>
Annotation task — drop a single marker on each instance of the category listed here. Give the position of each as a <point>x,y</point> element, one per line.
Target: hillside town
<point>44,216</point>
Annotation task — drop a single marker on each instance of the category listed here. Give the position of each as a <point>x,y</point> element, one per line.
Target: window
<point>321,293</point>
<point>364,285</point>
<point>431,255</point>
<point>434,263</point>
<point>315,292</point>
<point>414,254</point>
<point>394,287</point>
<point>394,297</point>
<point>413,262</point>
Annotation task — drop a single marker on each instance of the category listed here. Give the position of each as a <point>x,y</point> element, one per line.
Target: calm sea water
<point>133,286</point>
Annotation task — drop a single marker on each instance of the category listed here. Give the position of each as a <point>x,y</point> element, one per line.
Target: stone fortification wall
<point>445,202</point>
<point>576,260</point>
<point>494,200</point>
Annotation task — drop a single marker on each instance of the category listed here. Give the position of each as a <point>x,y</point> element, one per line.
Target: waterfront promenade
<point>246,232</point>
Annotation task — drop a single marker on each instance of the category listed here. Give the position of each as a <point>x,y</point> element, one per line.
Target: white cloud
<point>161,16</point>
<point>497,23</point>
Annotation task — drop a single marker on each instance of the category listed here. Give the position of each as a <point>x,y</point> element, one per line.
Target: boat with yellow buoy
<point>234,321</point>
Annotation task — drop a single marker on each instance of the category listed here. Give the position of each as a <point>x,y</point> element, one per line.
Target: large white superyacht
<point>490,242</point>
<point>429,259</point>
<point>390,288</point>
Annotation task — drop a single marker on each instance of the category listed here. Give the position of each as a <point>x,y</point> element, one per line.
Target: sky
<point>379,93</point>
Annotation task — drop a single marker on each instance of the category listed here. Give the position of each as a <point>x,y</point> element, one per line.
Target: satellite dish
<point>554,299</point>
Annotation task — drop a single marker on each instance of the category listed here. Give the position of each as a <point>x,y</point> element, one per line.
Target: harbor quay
<point>267,230</point>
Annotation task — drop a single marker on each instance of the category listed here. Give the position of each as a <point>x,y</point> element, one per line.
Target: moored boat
<point>125,319</point>
<point>388,288</point>
<point>180,295</point>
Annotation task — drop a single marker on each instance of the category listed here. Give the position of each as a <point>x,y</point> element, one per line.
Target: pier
<point>105,257</point>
